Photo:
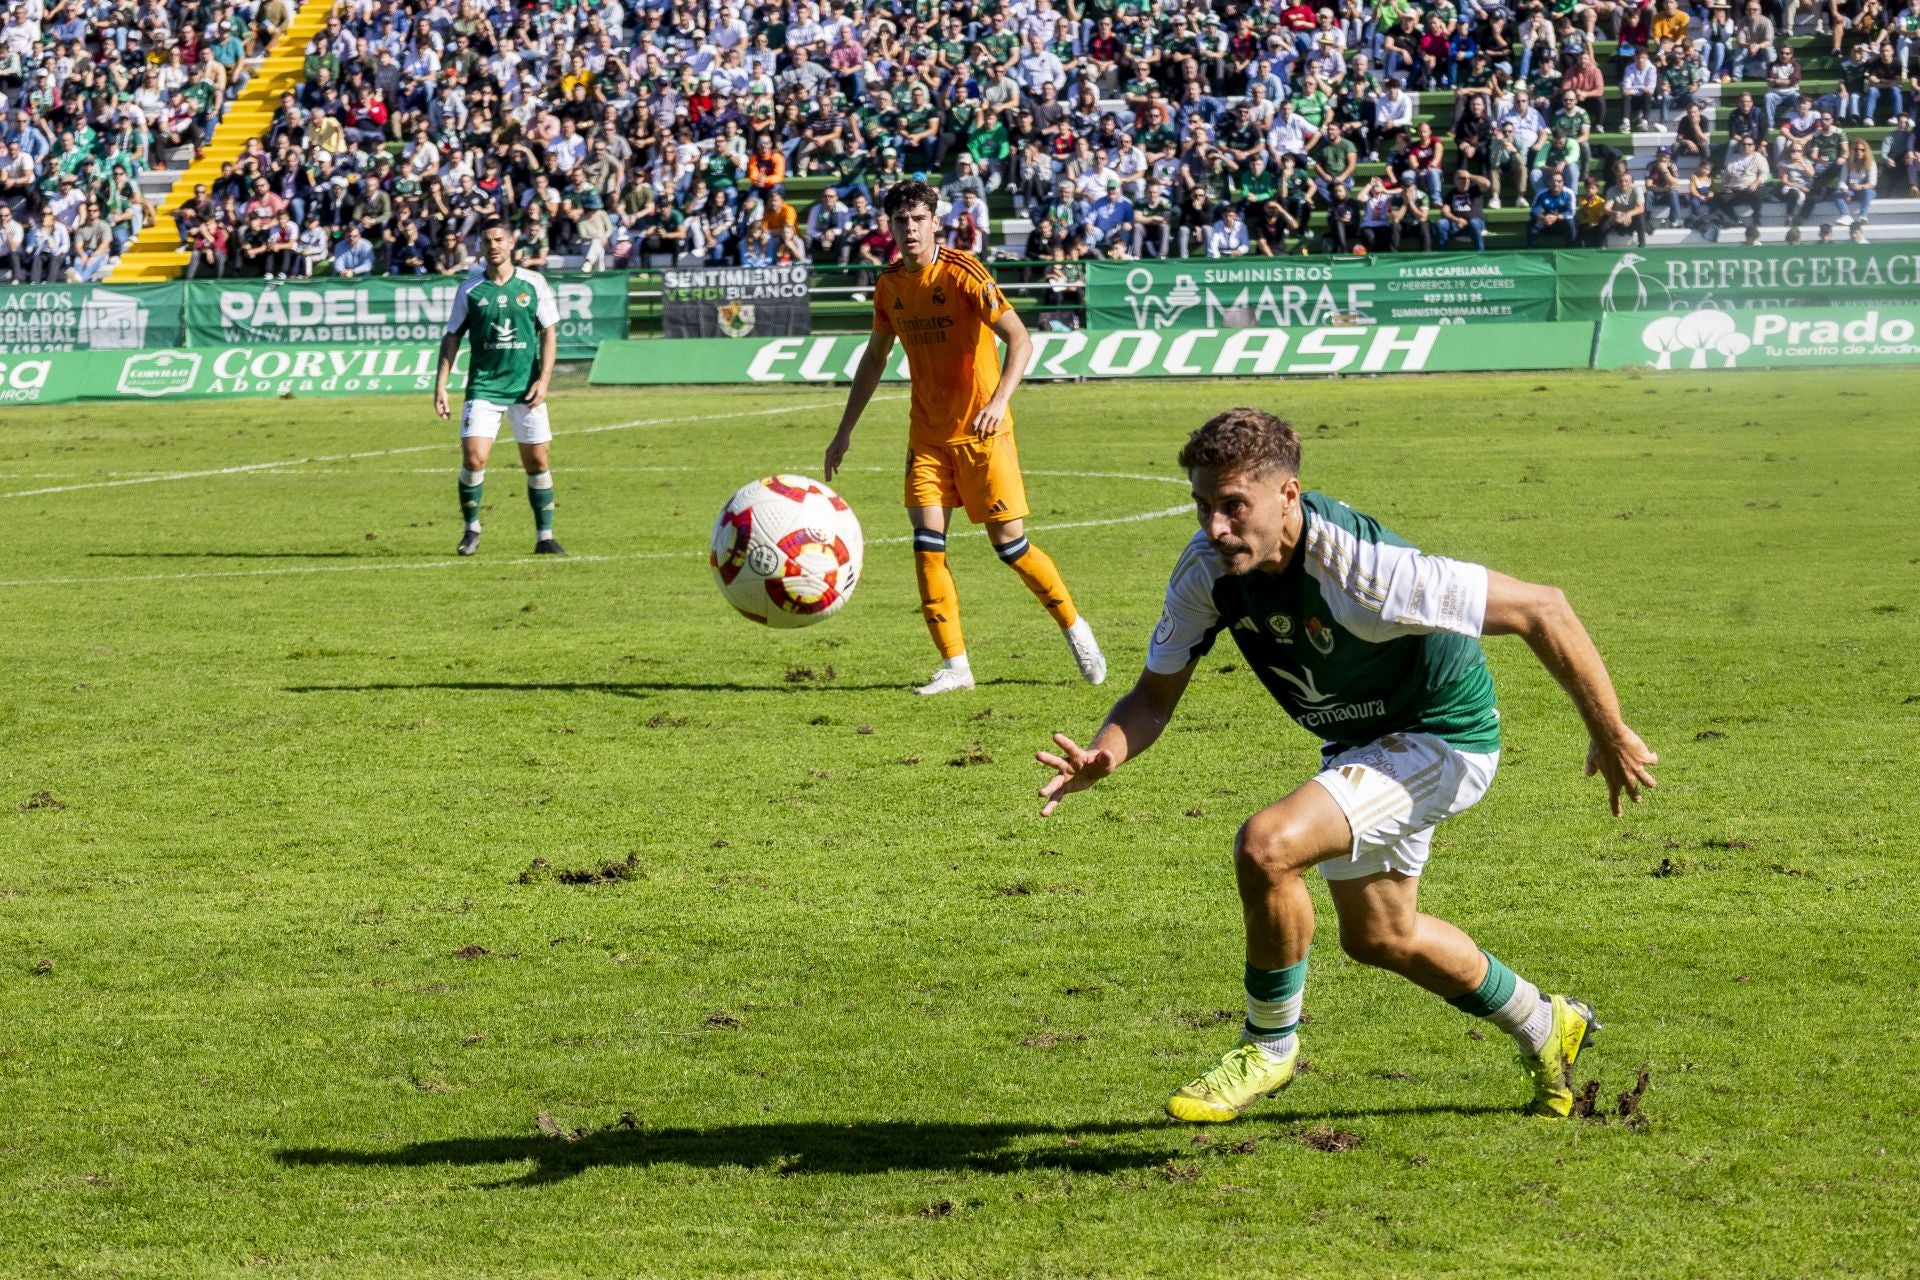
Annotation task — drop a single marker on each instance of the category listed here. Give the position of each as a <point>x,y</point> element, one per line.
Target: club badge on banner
<point>735,302</point>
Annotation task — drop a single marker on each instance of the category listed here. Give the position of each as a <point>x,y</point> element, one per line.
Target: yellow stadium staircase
<point>155,254</point>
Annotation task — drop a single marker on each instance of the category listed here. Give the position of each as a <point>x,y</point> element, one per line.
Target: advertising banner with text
<point>381,313</point>
<point>1737,278</point>
<point>1795,338</point>
<point>1246,293</point>
<point>90,317</point>
<point>60,376</point>
<point>1126,353</point>
<point>735,302</point>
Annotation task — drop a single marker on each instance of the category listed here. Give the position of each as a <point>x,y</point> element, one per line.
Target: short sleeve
<point>546,306</point>
<point>1382,590</point>
<point>978,283</point>
<point>1189,620</point>
<point>457,318</point>
<point>882,319</point>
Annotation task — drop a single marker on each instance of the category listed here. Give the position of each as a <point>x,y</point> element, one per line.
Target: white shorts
<point>482,418</point>
<point>1394,791</point>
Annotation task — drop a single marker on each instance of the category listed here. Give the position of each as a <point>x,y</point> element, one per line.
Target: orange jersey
<point>944,315</point>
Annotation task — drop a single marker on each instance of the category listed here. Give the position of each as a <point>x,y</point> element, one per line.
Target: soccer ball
<point>786,551</point>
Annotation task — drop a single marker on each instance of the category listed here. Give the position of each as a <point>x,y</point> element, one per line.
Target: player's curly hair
<point>902,196</point>
<point>1243,440</point>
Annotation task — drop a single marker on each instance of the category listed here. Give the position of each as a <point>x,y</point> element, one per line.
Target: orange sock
<point>1037,570</point>
<point>939,600</point>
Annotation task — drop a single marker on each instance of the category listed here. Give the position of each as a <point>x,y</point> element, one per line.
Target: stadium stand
<point>253,138</point>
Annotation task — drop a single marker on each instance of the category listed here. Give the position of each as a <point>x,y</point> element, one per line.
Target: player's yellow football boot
<point>1246,1075</point>
<point>1552,1068</point>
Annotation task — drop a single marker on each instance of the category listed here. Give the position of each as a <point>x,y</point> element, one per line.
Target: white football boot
<point>947,680</point>
<point>1086,651</point>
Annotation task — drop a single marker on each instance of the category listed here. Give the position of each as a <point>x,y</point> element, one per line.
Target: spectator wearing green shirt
<point>1255,185</point>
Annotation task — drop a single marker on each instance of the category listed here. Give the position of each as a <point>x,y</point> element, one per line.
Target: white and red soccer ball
<point>786,551</point>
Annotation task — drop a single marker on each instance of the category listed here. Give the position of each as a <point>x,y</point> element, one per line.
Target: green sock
<point>473,485</point>
<point>540,497</point>
<point>1495,990</point>
<point>1273,1002</point>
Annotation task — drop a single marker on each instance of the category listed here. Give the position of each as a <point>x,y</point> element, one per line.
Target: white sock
<point>1274,1047</point>
<point>957,663</point>
<point>1527,1016</point>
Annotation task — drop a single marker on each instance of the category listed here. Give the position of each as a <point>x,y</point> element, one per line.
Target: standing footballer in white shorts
<point>1374,647</point>
<point>509,317</point>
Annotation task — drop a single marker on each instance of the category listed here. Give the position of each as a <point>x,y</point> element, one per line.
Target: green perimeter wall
<point>1513,286</point>
<point>1708,338</point>
<point>1127,353</point>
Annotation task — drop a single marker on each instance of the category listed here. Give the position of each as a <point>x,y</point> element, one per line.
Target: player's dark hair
<point>902,196</point>
<point>491,223</point>
<point>1243,440</point>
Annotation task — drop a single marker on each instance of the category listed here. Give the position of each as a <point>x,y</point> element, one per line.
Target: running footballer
<point>1375,647</point>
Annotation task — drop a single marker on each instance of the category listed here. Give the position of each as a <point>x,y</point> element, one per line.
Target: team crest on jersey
<point>1282,627</point>
<point>522,299</point>
<point>1320,635</point>
<point>939,296</point>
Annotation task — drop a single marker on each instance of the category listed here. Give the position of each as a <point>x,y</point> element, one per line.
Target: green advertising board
<point>381,312</point>
<point>236,372</point>
<point>1125,353</point>
<point>1245,293</point>
<point>90,317</point>
<point>1737,278</point>
<point>1764,339</point>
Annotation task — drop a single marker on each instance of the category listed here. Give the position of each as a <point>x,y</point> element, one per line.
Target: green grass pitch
<point>274,999</point>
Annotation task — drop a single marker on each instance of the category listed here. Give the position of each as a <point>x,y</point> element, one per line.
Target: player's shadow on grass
<point>626,688</point>
<point>231,555</point>
<point>790,1149</point>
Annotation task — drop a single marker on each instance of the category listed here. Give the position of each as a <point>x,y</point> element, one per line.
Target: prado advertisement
<point>1128,353</point>
<point>1711,339</point>
<point>376,313</point>
<point>1246,293</point>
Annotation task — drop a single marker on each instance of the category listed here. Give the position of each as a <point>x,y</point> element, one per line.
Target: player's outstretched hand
<point>1075,770</point>
<point>1622,760</point>
<point>440,405</point>
<point>836,454</point>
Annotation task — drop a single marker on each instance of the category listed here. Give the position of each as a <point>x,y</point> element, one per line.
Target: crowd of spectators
<point>94,93</point>
<point>617,133</point>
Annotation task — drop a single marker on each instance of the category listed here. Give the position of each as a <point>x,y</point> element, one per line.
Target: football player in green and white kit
<point>511,318</point>
<point>1374,646</point>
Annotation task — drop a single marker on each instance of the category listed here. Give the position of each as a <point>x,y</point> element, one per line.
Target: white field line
<point>168,476</point>
<point>295,570</point>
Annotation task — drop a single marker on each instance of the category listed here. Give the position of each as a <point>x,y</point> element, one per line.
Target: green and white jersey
<point>503,323</point>
<point>1361,635</point>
